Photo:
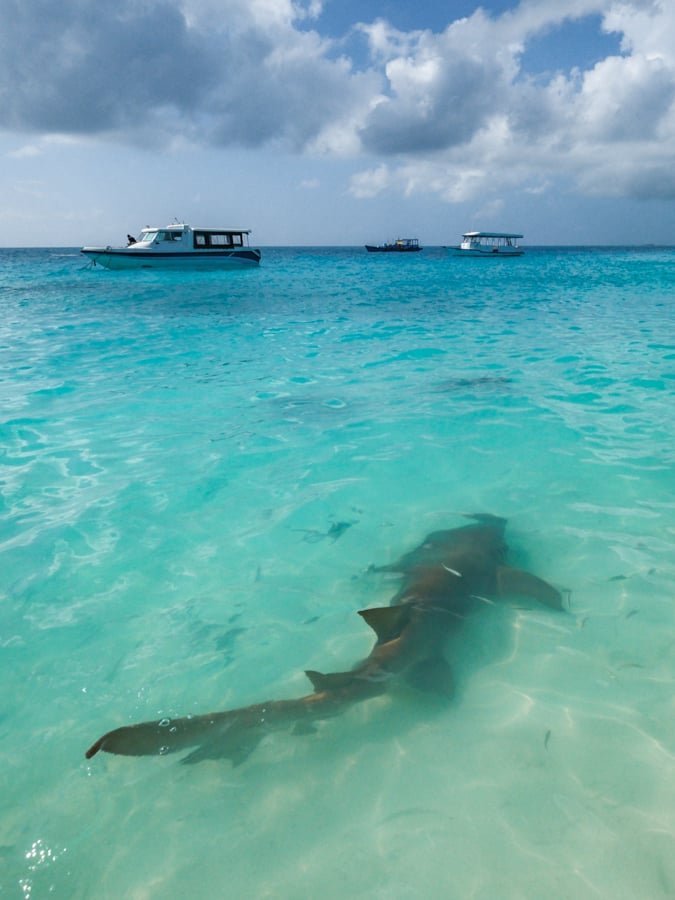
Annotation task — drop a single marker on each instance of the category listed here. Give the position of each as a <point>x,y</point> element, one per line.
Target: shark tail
<point>233,734</point>
<point>230,734</point>
<point>163,736</point>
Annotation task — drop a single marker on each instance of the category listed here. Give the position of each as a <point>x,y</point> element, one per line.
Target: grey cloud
<point>651,180</point>
<point>534,114</point>
<point>452,109</point>
<point>82,67</point>
<point>289,101</point>
<point>639,108</point>
<point>136,68</point>
<point>141,71</point>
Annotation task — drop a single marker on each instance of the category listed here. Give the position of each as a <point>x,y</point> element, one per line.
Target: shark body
<point>442,581</point>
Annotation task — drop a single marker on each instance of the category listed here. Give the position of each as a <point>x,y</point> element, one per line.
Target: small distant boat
<point>489,243</point>
<point>400,245</point>
<point>179,246</point>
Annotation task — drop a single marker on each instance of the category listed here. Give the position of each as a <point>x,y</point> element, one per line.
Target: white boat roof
<point>492,234</point>
<point>182,226</point>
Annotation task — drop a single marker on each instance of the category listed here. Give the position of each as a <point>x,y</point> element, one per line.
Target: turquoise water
<point>175,449</point>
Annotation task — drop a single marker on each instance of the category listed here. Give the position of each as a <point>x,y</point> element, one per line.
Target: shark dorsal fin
<point>331,682</point>
<point>387,621</point>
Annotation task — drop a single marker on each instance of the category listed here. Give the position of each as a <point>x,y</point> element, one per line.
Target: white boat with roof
<point>490,244</point>
<point>179,246</point>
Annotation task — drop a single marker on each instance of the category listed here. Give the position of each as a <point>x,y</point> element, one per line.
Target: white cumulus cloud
<point>453,112</point>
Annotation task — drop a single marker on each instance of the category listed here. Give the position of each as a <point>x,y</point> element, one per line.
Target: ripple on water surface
<point>198,472</point>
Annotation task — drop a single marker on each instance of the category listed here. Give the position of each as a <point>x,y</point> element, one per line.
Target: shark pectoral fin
<point>302,728</point>
<point>236,747</point>
<point>433,676</point>
<point>524,584</point>
<point>331,682</point>
<point>386,621</point>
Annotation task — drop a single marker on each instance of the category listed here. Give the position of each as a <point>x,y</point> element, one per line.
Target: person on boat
<point>130,240</point>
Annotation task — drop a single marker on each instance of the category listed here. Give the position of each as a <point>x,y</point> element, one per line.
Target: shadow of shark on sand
<point>447,578</point>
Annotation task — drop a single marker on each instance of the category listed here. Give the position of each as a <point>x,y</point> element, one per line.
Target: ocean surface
<point>198,470</point>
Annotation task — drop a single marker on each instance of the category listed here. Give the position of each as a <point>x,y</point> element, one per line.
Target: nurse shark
<point>443,579</point>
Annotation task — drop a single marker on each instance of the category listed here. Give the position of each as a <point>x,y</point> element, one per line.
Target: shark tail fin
<point>145,739</point>
<point>524,584</point>
<point>95,747</point>
<point>387,621</point>
<point>159,737</point>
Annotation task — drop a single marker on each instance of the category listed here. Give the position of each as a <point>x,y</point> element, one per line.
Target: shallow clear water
<point>175,449</point>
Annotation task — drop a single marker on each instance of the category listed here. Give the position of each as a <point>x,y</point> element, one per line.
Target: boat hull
<point>374,249</point>
<point>489,253</point>
<point>112,258</point>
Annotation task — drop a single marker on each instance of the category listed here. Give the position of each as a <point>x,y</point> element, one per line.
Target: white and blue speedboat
<point>179,246</point>
<point>489,244</point>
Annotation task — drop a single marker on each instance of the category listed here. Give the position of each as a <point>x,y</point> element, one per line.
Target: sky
<point>338,122</point>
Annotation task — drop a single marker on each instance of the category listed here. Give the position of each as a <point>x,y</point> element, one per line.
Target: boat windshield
<point>147,237</point>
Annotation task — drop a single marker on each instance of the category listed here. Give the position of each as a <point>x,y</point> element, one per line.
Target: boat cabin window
<point>217,239</point>
<point>156,235</point>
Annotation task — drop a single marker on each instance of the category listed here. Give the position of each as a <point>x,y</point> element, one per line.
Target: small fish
<point>484,599</point>
<point>227,640</point>
<point>336,530</point>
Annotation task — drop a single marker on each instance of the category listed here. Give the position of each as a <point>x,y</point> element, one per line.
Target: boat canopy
<point>491,234</point>
<point>179,228</point>
<point>202,238</point>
